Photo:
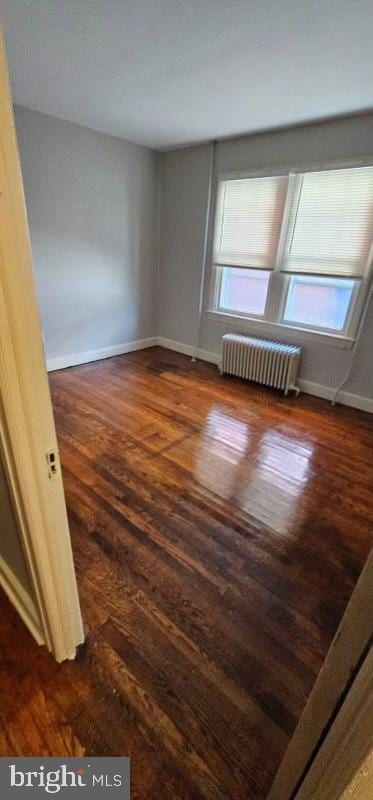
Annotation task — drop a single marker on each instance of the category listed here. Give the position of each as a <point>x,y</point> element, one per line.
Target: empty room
<point>186,398</point>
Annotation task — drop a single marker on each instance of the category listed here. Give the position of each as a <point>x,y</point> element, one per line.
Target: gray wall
<point>92,203</point>
<point>10,545</point>
<point>93,206</point>
<point>183,201</point>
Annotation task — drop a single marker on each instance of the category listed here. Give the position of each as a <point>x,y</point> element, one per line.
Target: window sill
<point>250,324</point>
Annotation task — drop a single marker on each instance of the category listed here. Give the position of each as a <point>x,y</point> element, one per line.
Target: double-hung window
<point>294,249</point>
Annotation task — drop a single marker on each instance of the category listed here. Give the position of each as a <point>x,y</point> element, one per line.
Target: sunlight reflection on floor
<point>265,477</point>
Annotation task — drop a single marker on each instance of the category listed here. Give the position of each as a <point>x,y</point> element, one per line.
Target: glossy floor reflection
<point>264,476</point>
<point>218,531</point>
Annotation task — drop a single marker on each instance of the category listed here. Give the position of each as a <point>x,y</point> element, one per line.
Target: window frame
<point>273,318</point>
<point>323,329</point>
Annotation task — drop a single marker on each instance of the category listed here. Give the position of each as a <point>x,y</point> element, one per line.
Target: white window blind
<point>248,221</point>
<point>331,223</point>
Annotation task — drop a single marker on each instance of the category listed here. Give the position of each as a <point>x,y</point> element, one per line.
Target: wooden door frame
<point>343,767</point>
<point>26,418</point>
<point>342,660</point>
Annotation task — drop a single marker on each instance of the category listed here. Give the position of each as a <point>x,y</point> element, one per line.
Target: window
<point>318,302</point>
<point>249,215</point>
<point>244,290</point>
<point>313,229</point>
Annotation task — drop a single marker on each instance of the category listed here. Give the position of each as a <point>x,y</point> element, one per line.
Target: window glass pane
<point>244,290</point>
<point>322,302</point>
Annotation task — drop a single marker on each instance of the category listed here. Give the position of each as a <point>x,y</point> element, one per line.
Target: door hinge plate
<point>52,463</point>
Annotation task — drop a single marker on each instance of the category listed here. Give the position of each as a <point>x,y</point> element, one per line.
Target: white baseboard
<point>316,389</point>
<point>21,600</point>
<point>308,387</point>
<point>188,350</point>
<point>356,401</point>
<point>345,398</point>
<point>72,360</point>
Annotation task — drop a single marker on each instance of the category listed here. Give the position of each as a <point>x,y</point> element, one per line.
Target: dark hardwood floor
<point>218,531</point>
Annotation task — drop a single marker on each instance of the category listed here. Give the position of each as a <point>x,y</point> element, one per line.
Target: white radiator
<point>258,360</point>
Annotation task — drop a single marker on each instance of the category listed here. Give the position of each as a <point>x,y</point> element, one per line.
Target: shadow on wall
<point>92,204</point>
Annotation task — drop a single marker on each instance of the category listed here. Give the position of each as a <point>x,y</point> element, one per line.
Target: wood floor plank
<point>218,530</point>
<point>197,609</point>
